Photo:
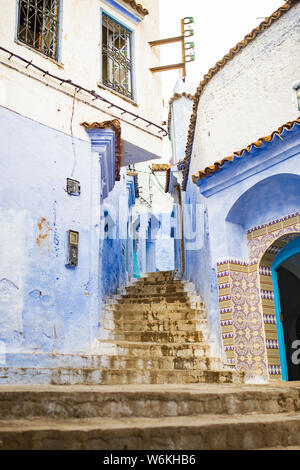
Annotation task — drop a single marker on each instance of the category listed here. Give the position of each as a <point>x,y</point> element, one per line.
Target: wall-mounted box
<point>73,187</point>
<point>73,245</point>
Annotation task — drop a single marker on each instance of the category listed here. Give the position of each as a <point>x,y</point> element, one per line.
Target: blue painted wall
<point>55,300</point>
<point>46,306</point>
<point>112,256</point>
<point>251,191</point>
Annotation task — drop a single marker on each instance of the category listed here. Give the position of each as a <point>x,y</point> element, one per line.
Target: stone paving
<point>154,331</point>
<point>148,417</point>
<point>152,385</point>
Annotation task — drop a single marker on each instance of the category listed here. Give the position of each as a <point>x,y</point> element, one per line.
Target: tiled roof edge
<point>116,126</point>
<point>137,6</point>
<point>210,170</point>
<point>160,166</point>
<point>219,65</point>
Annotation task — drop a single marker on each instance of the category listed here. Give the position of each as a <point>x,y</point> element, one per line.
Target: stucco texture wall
<point>45,305</point>
<point>251,96</point>
<point>198,266</point>
<point>46,100</point>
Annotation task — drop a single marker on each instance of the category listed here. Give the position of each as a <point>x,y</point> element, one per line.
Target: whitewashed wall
<point>252,95</point>
<point>25,91</point>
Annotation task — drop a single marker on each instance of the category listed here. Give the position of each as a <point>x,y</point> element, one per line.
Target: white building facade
<point>78,104</point>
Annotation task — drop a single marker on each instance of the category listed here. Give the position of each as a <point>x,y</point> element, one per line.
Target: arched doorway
<point>286,283</point>
<point>246,300</point>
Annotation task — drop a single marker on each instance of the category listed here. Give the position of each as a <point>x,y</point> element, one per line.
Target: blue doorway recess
<point>290,250</point>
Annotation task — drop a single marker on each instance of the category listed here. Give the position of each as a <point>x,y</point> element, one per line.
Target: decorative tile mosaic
<point>246,300</point>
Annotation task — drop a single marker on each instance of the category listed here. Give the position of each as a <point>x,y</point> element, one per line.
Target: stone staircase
<point>152,384</point>
<point>155,331</point>
<point>150,417</point>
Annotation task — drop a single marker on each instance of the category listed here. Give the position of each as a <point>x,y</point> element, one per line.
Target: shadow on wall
<point>270,199</point>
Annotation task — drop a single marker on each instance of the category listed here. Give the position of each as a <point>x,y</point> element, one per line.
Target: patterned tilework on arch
<point>246,301</point>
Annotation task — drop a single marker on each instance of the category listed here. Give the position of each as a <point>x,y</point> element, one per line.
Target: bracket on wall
<point>186,32</point>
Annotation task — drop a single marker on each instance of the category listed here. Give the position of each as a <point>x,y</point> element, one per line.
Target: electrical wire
<point>78,88</point>
<point>72,135</point>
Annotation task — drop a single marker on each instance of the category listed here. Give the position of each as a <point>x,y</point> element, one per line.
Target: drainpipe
<point>181,231</point>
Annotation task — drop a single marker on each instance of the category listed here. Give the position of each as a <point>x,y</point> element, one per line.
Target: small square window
<point>38,25</point>
<point>116,57</point>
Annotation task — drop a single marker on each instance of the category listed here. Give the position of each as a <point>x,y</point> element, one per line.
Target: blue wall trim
<point>252,162</point>
<point>291,249</point>
<point>103,141</point>
<point>124,11</point>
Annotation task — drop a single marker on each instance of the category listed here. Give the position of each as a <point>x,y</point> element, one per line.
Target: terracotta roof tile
<point>116,126</point>
<point>219,65</point>
<point>210,170</point>
<point>137,6</point>
<point>160,166</point>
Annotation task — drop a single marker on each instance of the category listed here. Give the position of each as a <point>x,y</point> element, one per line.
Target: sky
<point>219,25</point>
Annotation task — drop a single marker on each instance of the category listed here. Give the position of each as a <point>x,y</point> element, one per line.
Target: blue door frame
<point>289,250</point>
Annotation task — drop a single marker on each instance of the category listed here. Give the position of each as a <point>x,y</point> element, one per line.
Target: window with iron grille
<point>38,25</point>
<point>116,57</point>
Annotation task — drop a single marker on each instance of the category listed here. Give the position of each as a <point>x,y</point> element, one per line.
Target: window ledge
<point>60,65</point>
<point>100,85</point>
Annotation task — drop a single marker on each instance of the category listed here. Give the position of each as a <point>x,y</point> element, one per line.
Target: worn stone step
<point>154,307</point>
<point>206,432</point>
<point>156,311</point>
<point>147,350</point>
<point>121,362</point>
<point>153,336</point>
<point>84,401</point>
<point>168,297</point>
<point>160,275</point>
<point>148,283</point>
<point>85,376</point>
<point>141,317</point>
<point>148,304</point>
<point>100,361</point>
<point>153,299</point>
<point>157,288</point>
<point>155,325</point>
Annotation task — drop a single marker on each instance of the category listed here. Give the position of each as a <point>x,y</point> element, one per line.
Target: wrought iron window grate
<point>116,57</point>
<point>38,25</point>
